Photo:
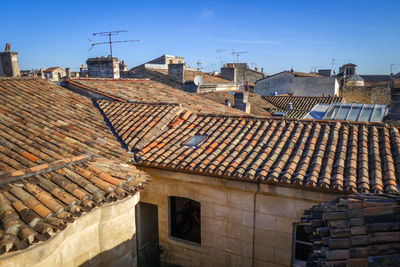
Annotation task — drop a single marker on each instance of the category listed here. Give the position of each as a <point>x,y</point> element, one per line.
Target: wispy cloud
<point>253,42</point>
<point>206,14</point>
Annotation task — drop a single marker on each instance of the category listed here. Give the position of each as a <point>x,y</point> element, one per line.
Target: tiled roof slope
<point>301,102</point>
<point>37,202</point>
<point>57,158</point>
<point>330,156</point>
<point>190,74</point>
<point>355,230</point>
<point>154,92</point>
<point>136,124</point>
<point>258,106</point>
<point>290,113</point>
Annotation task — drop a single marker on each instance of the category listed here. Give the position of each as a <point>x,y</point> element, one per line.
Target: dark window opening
<point>185,219</point>
<point>302,245</point>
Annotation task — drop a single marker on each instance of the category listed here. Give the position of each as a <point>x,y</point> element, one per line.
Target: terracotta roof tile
<point>301,104</point>
<point>330,155</point>
<point>148,91</point>
<point>58,159</point>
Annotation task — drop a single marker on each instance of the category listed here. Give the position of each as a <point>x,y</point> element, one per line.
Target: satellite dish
<point>198,80</point>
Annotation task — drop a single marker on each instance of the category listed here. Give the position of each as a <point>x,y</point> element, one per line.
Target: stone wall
<point>287,83</point>
<point>377,93</point>
<point>9,64</point>
<point>228,74</point>
<point>239,226</point>
<point>244,75</point>
<point>106,236</point>
<point>176,72</point>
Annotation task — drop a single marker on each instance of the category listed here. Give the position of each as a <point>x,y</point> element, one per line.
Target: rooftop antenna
<point>391,67</point>
<point>110,42</point>
<point>199,63</point>
<point>237,54</point>
<point>333,63</point>
<point>219,51</point>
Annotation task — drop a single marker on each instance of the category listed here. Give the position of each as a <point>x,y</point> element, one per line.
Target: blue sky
<point>276,34</point>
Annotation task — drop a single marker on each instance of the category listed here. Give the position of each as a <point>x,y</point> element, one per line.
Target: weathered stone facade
<point>103,237</point>
<point>240,73</point>
<point>376,93</point>
<point>241,221</point>
<point>103,67</point>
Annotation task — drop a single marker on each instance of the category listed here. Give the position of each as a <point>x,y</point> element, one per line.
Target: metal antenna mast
<point>391,67</point>
<point>110,42</point>
<point>237,54</point>
<point>219,51</point>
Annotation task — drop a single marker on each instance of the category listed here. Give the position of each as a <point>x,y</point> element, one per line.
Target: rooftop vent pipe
<point>290,105</point>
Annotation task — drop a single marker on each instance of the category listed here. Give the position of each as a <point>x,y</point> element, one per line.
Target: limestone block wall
<point>372,94</point>
<point>106,236</point>
<point>232,234</point>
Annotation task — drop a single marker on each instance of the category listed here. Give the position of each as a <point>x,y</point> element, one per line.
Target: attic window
<point>195,141</point>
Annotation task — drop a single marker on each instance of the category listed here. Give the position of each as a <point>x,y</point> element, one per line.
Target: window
<point>302,245</point>
<point>195,141</point>
<point>184,217</point>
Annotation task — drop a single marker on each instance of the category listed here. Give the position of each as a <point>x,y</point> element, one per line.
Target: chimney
<point>290,105</point>
<point>262,70</point>
<point>241,101</point>
<point>395,102</point>
<point>176,72</point>
<point>68,72</point>
<point>9,63</point>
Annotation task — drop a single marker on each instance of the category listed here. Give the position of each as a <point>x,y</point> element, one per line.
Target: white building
<point>298,84</point>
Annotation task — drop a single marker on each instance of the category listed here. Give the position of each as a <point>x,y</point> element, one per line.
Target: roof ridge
<point>294,119</point>
<point>112,79</point>
<point>43,168</point>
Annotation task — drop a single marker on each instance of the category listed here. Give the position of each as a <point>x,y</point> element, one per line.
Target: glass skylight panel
<point>378,113</point>
<point>195,141</point>
<point>366,113</point>
<point>342,113</point>
<point>354,112</point>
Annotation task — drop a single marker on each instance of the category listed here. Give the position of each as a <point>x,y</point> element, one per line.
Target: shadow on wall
<point>122,255</point>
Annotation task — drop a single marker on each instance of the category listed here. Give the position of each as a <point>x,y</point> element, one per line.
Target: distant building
<point>54,74</point>
<point>240,73</point>
<point>354,80</point>
<point>297,84</point>
<point>103,67</point>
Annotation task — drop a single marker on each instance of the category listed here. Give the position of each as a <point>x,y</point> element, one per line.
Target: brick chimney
<point>176,72</point>
<point>242,102</point>
<point>9,63</point>
<point>395,102</point>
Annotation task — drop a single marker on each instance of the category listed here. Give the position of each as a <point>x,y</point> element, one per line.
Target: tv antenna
<point>391,67</point>
<point>333,63</point>
<point>110,42</point>
<point>219,51</point>
<point>237,54</point>
<point>199,63</point>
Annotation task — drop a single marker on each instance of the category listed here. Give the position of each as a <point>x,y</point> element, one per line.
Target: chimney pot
<point>7,49</point>
<point>290,105</point>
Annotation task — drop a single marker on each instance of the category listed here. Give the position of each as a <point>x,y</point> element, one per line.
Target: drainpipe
<point>254,224</point>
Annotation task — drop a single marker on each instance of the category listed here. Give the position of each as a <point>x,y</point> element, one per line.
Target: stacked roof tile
<point>57,160</point>
<point>356,230</point>
<point>145,90</point>
<point>301,105</point>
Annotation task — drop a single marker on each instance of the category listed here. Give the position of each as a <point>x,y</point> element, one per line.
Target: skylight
<point>195,141</point>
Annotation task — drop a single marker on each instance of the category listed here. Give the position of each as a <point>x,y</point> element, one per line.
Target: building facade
<point>297,84</point>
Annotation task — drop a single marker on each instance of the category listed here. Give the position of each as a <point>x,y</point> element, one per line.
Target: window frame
<point>178,239</point>
<point>298,262</point>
